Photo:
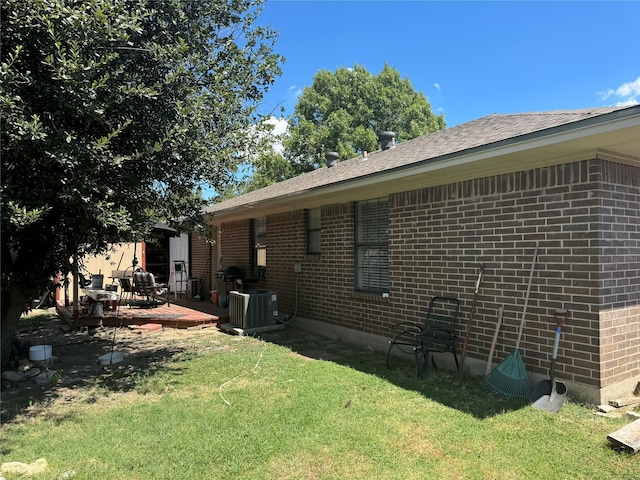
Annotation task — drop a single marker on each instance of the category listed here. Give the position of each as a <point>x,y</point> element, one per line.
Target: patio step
<point>147,328</point>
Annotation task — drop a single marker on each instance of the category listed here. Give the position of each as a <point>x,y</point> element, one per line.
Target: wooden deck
<point>181,314</point>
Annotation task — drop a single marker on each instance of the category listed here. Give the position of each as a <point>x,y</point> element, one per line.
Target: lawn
<point>229,407</point>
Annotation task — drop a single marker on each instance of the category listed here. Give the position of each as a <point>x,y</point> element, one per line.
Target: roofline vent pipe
<point>332,159</point>
<point>387,140</point>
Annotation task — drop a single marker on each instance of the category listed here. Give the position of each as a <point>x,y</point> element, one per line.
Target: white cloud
<point>604,94</point>
<point>437,85</point>
<point>279,125</point>
<point>628,102</point>
<point>295,90</point>
<point>279,130</point>
<point>626,94</point>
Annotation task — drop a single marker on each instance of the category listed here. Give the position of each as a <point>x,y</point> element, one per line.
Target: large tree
<point>344,111</point>
<point>114,111</point>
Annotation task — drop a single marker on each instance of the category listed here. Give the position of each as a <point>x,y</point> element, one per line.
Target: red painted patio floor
<point>183,314</point>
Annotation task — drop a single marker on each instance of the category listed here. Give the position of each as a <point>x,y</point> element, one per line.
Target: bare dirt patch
<point>80,381</point>
<point>75,360</point>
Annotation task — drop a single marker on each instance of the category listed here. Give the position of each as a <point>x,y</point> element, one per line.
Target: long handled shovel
<point>458,379</point>
<point>549,395</point>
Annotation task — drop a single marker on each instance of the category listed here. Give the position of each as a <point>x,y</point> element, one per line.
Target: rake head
<point>509,378</point>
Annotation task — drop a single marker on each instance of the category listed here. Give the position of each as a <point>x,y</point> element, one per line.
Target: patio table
<point>104,297</point>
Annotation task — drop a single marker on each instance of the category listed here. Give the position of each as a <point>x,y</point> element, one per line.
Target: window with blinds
<point>372,245</point>
<point>313,231</point>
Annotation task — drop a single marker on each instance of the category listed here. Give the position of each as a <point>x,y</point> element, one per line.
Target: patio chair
<point>125,281</point>
<point>83,282</point>
<point>144,285</point>
<point>435,335</point>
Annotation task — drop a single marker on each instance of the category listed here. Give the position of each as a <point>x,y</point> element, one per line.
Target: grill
<point>229,276</point>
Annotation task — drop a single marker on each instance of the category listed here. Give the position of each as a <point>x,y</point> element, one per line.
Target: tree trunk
<point>13,306</point>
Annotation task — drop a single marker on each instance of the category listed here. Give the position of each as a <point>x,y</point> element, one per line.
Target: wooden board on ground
<point>202,326</point>
<point>627,438</point>
<point>231,328</point>
<point>625,402</point>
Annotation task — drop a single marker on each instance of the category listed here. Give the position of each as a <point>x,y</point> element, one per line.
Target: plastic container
<point>96,281</point>
<point>110,358</point>
<point>39,353</point>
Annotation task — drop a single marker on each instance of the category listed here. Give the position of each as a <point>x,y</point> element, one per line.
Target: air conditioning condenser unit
<point>253,308</point>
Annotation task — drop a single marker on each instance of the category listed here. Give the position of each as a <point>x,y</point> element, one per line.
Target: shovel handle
<point>554,357</point>
<point>556,343</point>
<point>561,317</point>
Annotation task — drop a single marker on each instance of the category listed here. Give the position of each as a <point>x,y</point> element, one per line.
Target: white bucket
<point>38,353</point>
<point>96,281</point>
<point>110,358</point>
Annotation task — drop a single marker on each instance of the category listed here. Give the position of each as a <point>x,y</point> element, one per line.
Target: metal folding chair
<point>435,335</point>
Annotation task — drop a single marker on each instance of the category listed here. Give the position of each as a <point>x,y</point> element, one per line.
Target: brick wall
<point>236,248</point>
<point>496,222</point>
<point>202,258</point>
<point>285,236</point>
<point>579,213</point>
<point>619,271</point>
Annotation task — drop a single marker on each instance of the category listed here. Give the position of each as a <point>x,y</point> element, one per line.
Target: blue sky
<point>470,59</point>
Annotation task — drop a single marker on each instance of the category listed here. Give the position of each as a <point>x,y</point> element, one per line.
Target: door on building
<point>157,257</point>
<point>179,263</point>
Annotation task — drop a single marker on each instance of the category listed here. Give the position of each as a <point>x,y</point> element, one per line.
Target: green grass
<point>258,410</point>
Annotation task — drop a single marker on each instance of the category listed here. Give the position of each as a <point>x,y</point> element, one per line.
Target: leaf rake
<point>509,378</point>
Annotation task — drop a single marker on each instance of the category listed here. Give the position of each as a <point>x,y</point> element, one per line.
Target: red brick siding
<point>584,216</point>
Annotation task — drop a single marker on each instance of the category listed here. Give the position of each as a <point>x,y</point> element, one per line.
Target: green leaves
<point>21,216</point>
<point>344,111</point>
<point>114,111</point>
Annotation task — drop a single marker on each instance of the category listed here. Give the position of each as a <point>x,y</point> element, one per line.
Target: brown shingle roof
<point>483,132</point>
